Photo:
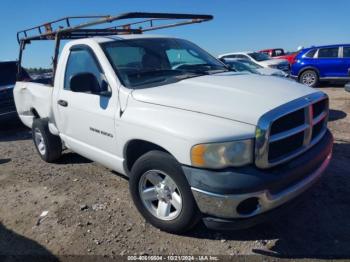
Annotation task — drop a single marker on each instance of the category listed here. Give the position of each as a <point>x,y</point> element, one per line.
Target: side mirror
<point>105,90</point>
<point>85,83</point>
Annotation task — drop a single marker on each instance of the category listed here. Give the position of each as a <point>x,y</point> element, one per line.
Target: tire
<point>48,146</point>
<point>173,188</point>
<point>310,78</point>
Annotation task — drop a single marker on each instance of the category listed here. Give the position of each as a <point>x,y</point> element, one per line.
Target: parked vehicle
<point>8,71</point>
<point>347,87</point>
<point>279,53</point>
<point>323,63</point>
<point>45,78</point>
<point>260,59</point>
<point>196,140</point>
<point>249,66</point>
<point>237,66</point>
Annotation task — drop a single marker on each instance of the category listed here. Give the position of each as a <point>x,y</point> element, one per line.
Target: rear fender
<point>32,100</point>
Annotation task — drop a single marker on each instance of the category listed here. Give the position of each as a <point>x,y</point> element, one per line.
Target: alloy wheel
<point>39,141</point>
<point>309,78</point>
<point>160,195</point>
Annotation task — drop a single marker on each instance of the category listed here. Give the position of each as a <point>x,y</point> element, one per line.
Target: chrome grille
<point>290,129</point>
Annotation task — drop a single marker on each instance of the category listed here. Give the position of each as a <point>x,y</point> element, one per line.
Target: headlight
<point>220,155</point>
<point>273,66</point>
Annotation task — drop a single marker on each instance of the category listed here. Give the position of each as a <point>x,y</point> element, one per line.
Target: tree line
<point>38,70</point>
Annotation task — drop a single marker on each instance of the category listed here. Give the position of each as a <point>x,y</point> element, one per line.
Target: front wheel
<point>309,78</point>
<point>162,194</point>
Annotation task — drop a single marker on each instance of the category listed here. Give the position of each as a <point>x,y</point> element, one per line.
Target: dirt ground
<point>90,211</point>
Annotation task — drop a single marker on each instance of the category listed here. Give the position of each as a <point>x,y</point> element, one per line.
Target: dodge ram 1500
<point>196,140</point>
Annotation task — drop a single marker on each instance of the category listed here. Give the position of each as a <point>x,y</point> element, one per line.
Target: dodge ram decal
<point>101,132</point>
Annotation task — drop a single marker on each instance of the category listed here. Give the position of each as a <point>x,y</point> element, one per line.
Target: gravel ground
<point>90,210</point>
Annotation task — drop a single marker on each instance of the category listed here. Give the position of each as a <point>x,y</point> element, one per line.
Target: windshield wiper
<point>207,68</point>
<point>163,72</point>
<point>191,74</point>
<point>217,71</point>
<point>150,81</point>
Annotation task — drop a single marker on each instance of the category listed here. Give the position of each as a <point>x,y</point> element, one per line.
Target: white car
<point>259,58</point>
<point>196,140</point>
<point>250,66</point>
<point>347,87</point>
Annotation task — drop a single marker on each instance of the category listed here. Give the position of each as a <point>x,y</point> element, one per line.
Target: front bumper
<point>219,194</point>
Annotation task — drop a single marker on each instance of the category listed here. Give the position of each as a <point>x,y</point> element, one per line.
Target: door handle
<point>62,103</point>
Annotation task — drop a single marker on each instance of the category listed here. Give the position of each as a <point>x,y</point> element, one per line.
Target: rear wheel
<point>162,194</point>
<point>309,78</point>
<point>48,145</point>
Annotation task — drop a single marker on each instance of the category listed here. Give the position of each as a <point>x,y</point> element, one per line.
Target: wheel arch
<point>34,113</point>
<point>302,70</point>
<point>136,148</point>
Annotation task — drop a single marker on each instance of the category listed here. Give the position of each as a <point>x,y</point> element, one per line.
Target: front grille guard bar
<point>262,134</point>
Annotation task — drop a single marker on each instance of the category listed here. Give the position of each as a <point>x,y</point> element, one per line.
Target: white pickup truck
<point>196,140</point>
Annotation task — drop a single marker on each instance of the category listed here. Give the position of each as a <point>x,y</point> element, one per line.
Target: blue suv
<point>322,63</point>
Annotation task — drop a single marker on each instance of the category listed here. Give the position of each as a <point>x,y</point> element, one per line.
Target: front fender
<point>177,130</point>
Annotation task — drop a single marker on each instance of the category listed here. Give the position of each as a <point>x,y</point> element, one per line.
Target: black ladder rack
<point>64,28</point>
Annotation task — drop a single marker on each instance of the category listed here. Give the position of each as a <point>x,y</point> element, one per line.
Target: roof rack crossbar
<point>64,25</point>
<point>85,33</point>
<point>63,28</point>
<point>49,25</point>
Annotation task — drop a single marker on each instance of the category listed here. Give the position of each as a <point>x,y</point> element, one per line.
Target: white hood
<point>236,96</point>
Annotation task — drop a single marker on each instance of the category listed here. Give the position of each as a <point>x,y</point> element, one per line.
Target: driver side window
<point>81,60</point>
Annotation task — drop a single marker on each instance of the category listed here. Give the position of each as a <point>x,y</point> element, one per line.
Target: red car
<point>280,54</point>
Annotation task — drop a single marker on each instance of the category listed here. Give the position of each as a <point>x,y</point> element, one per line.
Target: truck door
<point>86,116</point>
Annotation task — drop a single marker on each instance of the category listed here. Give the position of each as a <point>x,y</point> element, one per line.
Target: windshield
<point>251,64</point>
<point>259,56</point>
<point>140,62</point>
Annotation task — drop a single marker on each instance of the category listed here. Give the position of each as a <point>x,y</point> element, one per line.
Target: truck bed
<point>32,99</point>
